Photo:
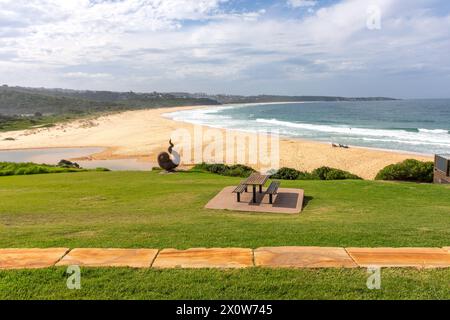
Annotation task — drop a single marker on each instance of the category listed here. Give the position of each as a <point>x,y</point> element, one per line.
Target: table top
<point>256,179</point>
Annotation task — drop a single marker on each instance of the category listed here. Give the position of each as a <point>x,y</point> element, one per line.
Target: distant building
<point>442,168</point>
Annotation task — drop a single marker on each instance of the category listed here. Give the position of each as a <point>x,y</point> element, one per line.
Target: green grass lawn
<point>248,284</point>
<point>142,209</point>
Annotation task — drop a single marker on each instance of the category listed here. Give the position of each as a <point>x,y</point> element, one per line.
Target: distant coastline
<point>28,101</point>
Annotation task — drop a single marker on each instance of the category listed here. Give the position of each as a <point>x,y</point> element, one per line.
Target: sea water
<point>419,126</point>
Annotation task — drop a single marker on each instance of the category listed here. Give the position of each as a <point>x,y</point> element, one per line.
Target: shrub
<point>33,169</point>
<point>237,170</point>
<point>409,170</point>
<point>217,168</point>
<point>68,164</point>
<point>286,174</point>
<point>323,173</point>
<point>327,173</point>
<point>12,168</point>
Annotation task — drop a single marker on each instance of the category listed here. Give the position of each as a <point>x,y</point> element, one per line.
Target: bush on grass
<point>237,170</point>
<point>28,168</point>
<point>292,174</point>
<point>323,173</point>
<point>409,170</point>
<point>327,173</point>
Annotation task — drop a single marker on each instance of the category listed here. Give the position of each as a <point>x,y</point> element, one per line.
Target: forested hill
<point>28,101</point>
<point>225,99</point>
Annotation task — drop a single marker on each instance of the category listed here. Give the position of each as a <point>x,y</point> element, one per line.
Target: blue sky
<point>298,47</point>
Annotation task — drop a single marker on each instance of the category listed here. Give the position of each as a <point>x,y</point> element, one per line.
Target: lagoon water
<point>54,155</point>
<point>420,126</point>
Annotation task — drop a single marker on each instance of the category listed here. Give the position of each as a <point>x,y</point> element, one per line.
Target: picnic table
<point>255,180</point>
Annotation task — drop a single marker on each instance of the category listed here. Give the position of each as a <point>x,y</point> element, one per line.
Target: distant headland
<point>23,100</point>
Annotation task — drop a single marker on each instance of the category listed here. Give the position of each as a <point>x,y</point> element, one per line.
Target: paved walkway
<point>270,257</point>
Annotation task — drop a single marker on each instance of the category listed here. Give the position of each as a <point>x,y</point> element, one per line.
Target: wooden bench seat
<point>240,189</point>
<point>273,190</point>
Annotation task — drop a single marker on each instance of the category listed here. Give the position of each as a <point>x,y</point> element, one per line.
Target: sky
<point>392,48</point>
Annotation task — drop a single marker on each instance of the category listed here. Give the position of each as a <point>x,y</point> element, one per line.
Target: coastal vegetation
<point>322,173</point>
<point>13,168</point>
<point>327,173</point>
<point>409,170</point>
<point>28,101</point>
<point>239,170</point>
<point>291,174</point>
<point>37,120</point>
<point>23,108</point>
<point>149,210</point>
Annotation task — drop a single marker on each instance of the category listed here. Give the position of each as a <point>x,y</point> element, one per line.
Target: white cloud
<point>301,3</point>
<point>154,44</point>
<point>86,75</point>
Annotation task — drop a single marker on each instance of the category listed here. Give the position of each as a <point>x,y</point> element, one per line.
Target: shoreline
<point>287,137</point>
<point>142,134</point>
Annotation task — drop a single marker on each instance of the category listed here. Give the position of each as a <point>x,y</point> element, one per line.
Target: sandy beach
<point>143,134</point>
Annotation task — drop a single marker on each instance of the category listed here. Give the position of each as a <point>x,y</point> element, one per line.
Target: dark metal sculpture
<point>169,161</point>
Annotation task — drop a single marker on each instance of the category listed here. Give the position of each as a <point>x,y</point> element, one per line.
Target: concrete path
<point>134,258</point>
<point>303,257</point>
<point>226,258</point>
<point>401,257</point>
<point>205,258</point>
<point>30,258</point>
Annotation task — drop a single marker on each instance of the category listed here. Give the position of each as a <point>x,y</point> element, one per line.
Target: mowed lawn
<point>141,209</point>
<point>248,284</point>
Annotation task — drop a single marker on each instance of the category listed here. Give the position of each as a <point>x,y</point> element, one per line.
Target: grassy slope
<point>70,105</point>
<point>123,283</point>
<point>13,168</point>
<point>23,123</point>
<point>139,209</point>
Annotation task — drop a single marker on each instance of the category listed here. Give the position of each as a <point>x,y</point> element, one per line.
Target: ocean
<point>418,126</point>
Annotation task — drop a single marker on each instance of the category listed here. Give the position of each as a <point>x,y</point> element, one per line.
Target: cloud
<point>301,3</point>
<point>85,75</point>
<point>157,45</point>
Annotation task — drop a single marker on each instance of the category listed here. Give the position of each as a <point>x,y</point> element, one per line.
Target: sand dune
<point>143,134</point>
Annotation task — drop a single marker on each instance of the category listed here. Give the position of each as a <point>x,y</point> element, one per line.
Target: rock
<point>68,164</point>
